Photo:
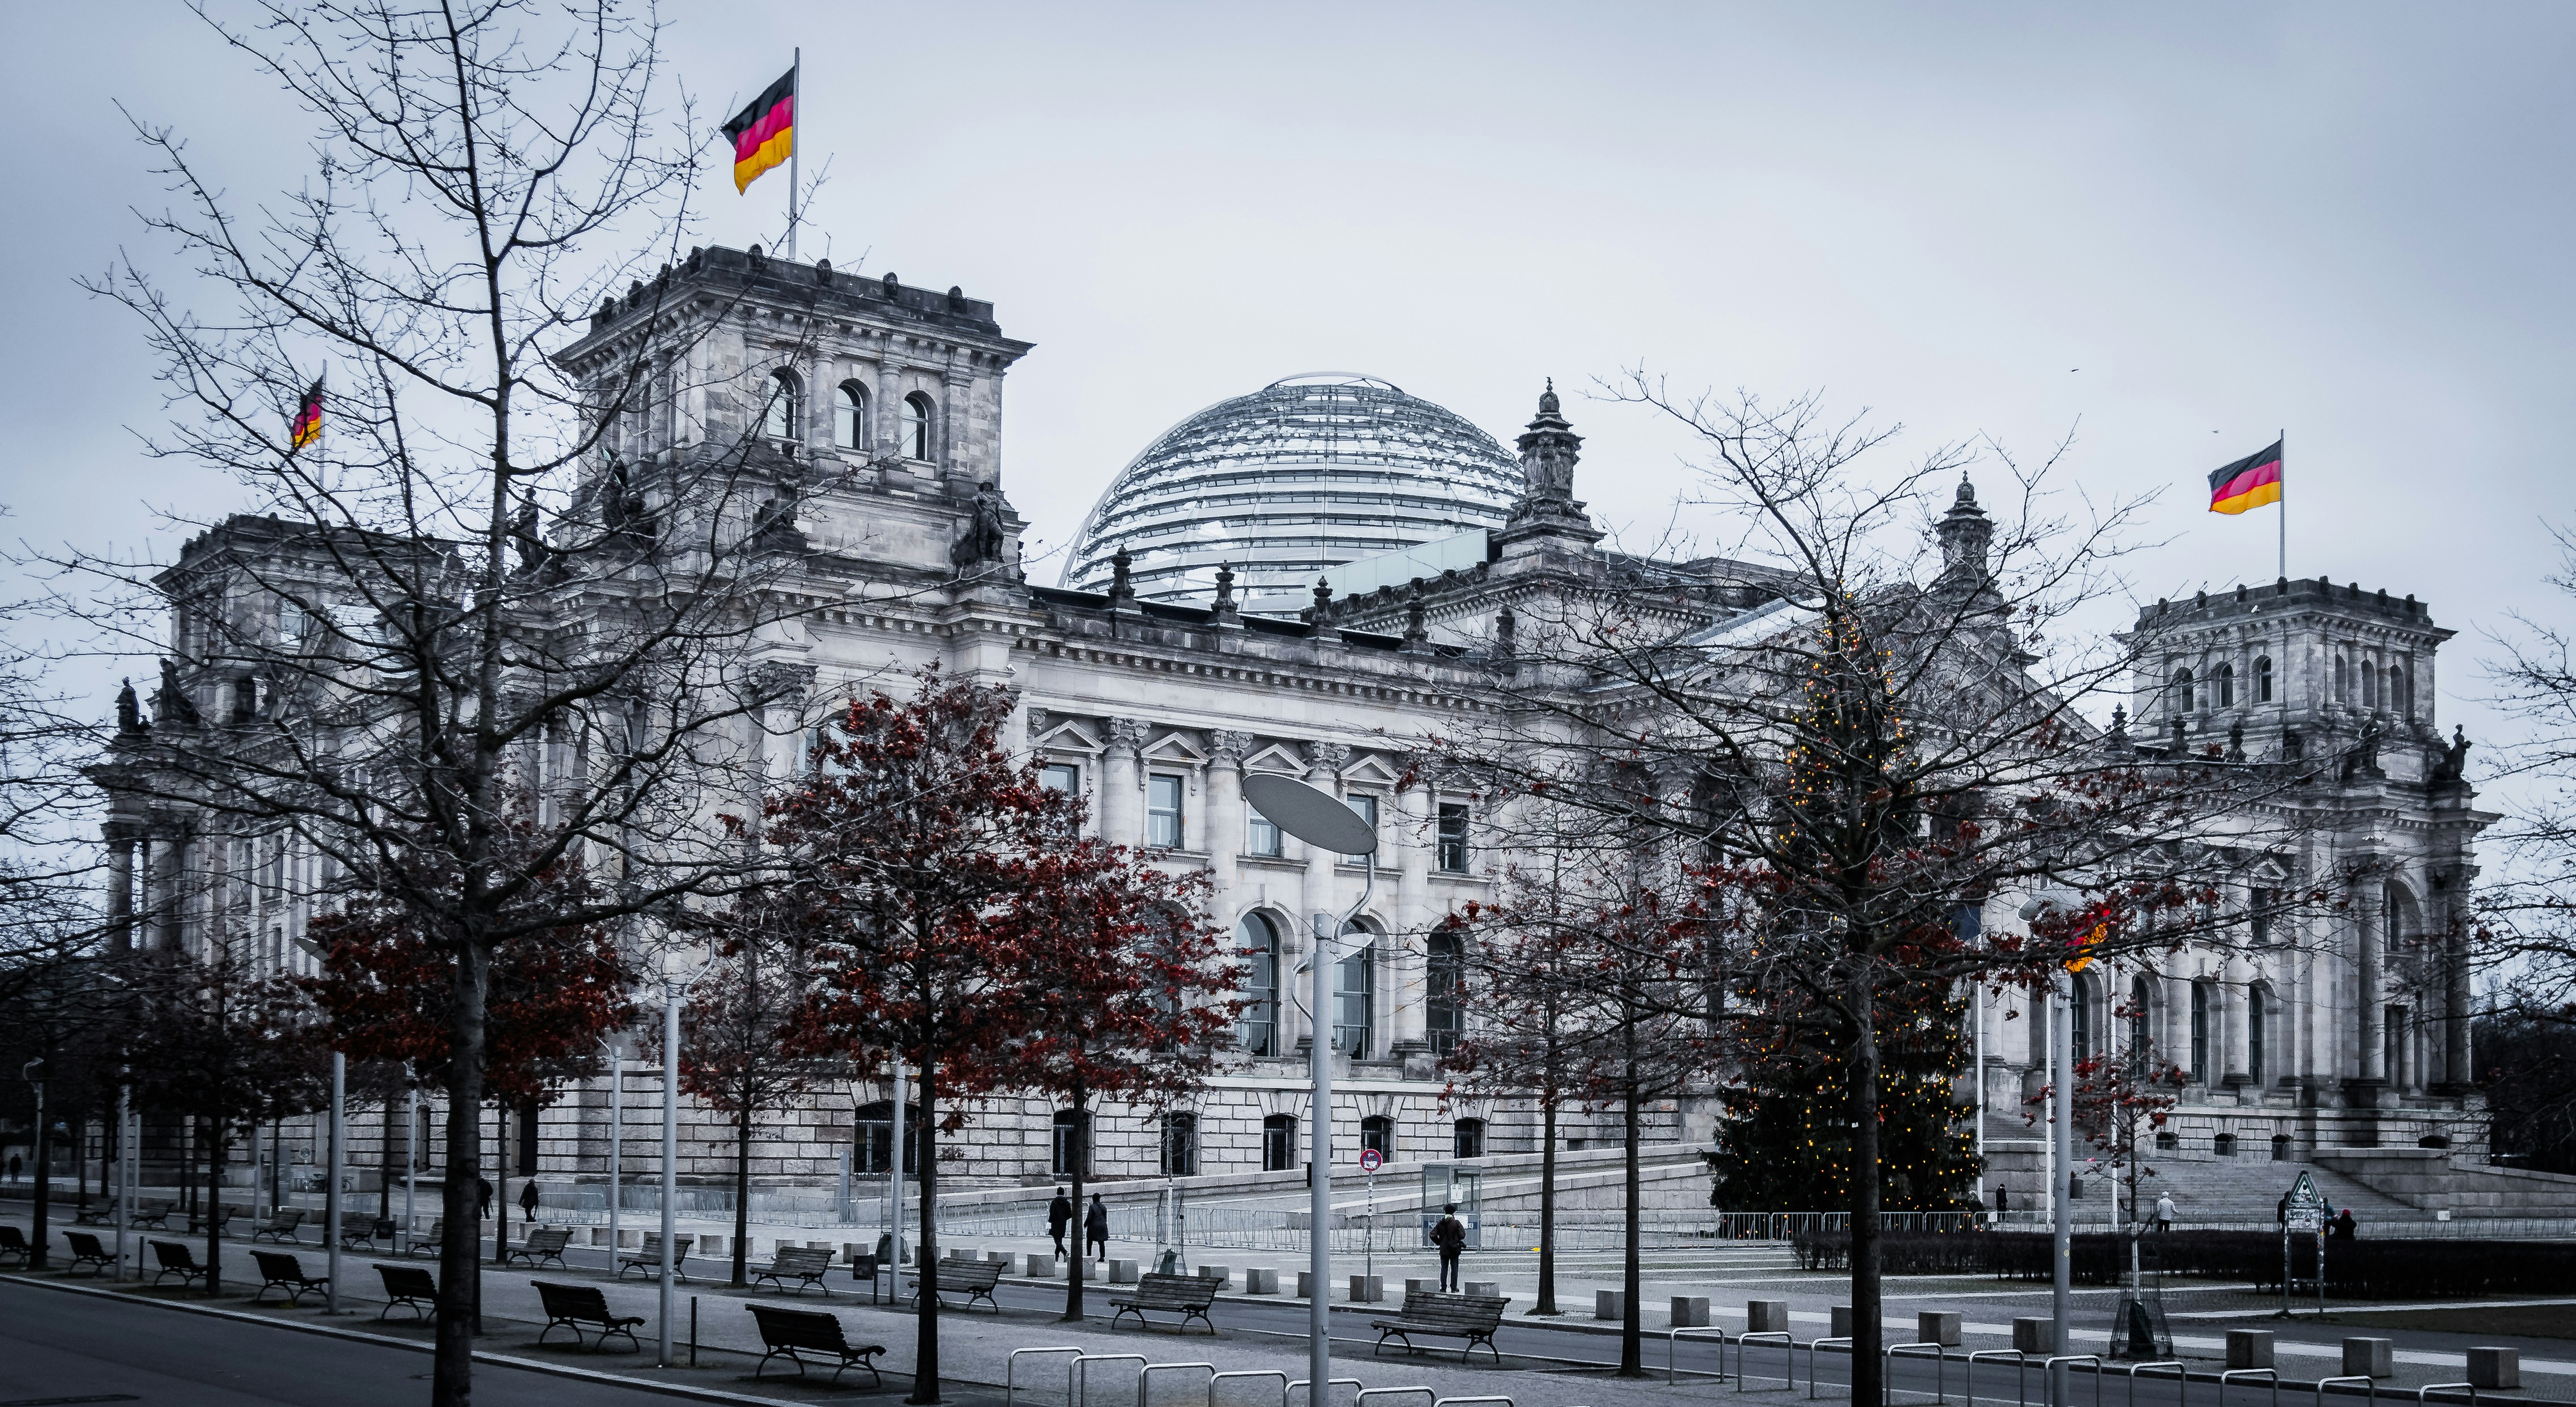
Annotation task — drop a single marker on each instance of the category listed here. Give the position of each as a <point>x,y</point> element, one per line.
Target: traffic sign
<point>1371,1160</point>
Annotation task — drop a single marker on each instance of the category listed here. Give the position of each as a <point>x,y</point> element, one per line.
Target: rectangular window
<point>1453,836</point>
<point>1366,806</point>
<point>2260,920</point>
<point>1354,999</point>
<point>1063,777</point>
<point>2200,1033</point>
<point>1163,811</point>
<point>1279,1143</point>
<point>1263,838</point>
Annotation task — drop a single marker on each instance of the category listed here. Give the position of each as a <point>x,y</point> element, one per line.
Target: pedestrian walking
<point>1095,1229</point>
<point>13,1167</point>
<point>1059,1220</point>
<point>1450,1235</point>
<point>2003,1203</point>
<point>2164,1212</point>
<point>528,1199</point>
<point>482,1198</point>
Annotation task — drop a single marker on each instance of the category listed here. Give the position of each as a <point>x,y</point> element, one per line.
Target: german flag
<point>2250,482</point>
<point>306,427</point>
<point>763,133</point>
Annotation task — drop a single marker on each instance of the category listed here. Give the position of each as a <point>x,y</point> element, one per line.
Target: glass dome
<point>1288,483</point>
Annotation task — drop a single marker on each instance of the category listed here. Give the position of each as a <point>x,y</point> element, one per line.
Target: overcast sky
<point>2184,227</point>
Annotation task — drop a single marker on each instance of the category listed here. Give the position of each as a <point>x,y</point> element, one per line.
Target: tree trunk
<point>741,1191</point>
<point>214,1144</point>
<point>501,1182</point>
<point>1079,1230</point>
<point>1547,1209</point>
<point>925,1353</point>
<point>384,1173</point>
<point>1632,1338</point>
<point>1866,1304</point>
<point>459,1258</point>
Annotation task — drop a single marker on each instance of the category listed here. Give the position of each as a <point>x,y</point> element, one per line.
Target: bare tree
<point>2528,912</point>
<point>484,557</point>
<point>1852,725</point>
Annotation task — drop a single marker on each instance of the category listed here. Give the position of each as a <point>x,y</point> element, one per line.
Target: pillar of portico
<point>1413,839</point>
<point>1226,821</point>
<point>2236,979</point>
<point>1318,895</point>
<point>782,718</point>
<point>164,875</point>
<point>1122,796</point>
<point>121,838</point>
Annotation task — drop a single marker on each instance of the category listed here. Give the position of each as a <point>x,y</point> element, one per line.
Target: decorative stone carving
<point>1129,733</point>
<point>1227,748</point>
<point>986,534</point>
<point>1330,758</point>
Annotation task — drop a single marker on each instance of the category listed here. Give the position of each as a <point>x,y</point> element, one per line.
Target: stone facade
<point>881,407</point>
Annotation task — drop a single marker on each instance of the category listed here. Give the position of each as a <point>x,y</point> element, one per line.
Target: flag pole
<point>795,123</point>
<point>2284,503</point>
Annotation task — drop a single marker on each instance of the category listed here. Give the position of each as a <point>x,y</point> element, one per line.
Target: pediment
<point>1277,757</point>
<point>1176,748</point>
<point>1371,771</point>
<point>1068,736</point>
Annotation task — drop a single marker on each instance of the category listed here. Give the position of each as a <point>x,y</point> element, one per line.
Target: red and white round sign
<point>1370,1160</point>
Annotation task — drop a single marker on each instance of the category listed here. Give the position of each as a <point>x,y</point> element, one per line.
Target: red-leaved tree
<point>738,1054</point>
<point>1126,995</point>
<point>916,857</point>
<point>387,988</point>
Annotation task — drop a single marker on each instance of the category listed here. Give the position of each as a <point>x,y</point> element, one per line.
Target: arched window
<point>2182,690</point>
<point>786,406</point>
<point>1467,1139</point>
<point>872,1148</point>
<point>1377,1132</point>
<point>2254,1013</point>
<point>2401,692</point>
<point>2369,685</point>
<point>2263,679</point>
<point>2079,1014</point>
<point>2200,1033</point>
<point>916,426</point>
<point>1444,977</point>
<point>1279,1143</point>
<point>1180,1145</point>
<point>1355,993</point>
<point>850,416</point>
<point>2343,680</point>
<point>2226,678</point>
<point>1065,1142</point>
<point>1257,1029</point>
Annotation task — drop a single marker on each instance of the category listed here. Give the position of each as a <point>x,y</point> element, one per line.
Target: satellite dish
<point>1308,814</point>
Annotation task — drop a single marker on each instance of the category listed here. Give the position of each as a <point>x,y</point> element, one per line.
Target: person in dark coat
<point>528,1199</point>
<point>1450,1235</point>
<point>482,1198</point>
<point>1095,1229</point>
<point>1059,1219</point>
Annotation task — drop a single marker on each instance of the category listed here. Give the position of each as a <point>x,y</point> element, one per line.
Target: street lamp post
<point>331,1190</point>
<point>1319,820</point>
<point>32,1072</point>
<point>672,987</point>
<point>616,1138</point>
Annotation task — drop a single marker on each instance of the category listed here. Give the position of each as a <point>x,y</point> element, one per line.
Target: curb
<point>503,1360</point>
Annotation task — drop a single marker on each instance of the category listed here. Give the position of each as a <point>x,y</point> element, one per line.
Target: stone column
<point>121,839</point>
<point>2235,981</point>
<point>1122,798</point>
<point>1414,839</point>
<point>782,721</point>
<point>164,878</point>
<point>1319,894</point>
<point>1226,818</point>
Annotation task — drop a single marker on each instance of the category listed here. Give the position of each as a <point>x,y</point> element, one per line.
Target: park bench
<point>571,1306</point>
<point>13,1242</point>
<point>153,1212</point>
<point>407,1285</point>
<point>280,1226</point>
<point>789,1332</point>
<point>1185,1295</point>
<point>1470,1317</point>
<point>648,1258</point>
<point>802,1264</point>
<point>430,1242</point>
<point>362,1235</point>
<point>281,1271</point>
<point>223,1217</point>
<point>175,1258</point>
<point>544,1243</point>
<point>86,1250</point>
<point>974,1279</point>
<point>101,1215</point>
